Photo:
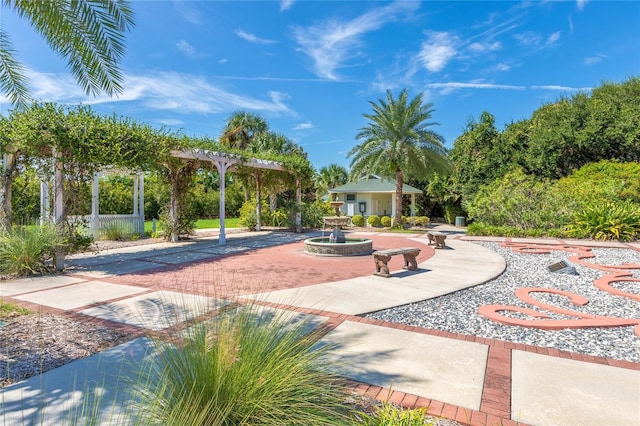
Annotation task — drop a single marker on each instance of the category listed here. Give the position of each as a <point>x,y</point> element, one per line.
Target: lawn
<point>200,224</point>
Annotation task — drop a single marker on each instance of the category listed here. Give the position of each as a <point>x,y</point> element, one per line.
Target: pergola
<point>224,162</point>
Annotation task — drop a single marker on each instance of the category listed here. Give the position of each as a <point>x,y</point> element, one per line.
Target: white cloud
<point>503,67</point>
<point>485,47</point>
<point>188,12</point>
<point>438,50</point>
<point>223,61</point>
<point>186,48</point>
<point>552,39</point>
<point>592,60</point>
<point>562,88</point>
<point>331,43</point>
<point>304,126</point>
<point>170,122</point>
<point>286,4</point>
<point>581,4</point>
<point>182,93</point>
<point>457,85</point>
<point>252,38</point>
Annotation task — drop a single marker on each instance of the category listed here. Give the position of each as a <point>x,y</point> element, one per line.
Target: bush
<point>451,211</point>
<point>27,251</point>
<point>385,221</point>
<point>607,221</point>
<point>248,366</point>
<point>357,220</point>
<point>373,220</point>
<point>114,232</point>
<point>248,218</point>
<point>422,220</point>
<point>184,225</point>
<point>312,214</point>
<point>390,415</point>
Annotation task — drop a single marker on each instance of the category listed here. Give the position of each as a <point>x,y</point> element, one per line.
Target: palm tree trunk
<point>399,184</point>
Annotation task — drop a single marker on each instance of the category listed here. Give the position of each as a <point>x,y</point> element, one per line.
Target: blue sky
<point>310,68</point>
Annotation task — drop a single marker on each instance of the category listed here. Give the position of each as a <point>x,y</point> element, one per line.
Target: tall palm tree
<point>329,177</point>
<point>89,34</point>
<point>398,142</point>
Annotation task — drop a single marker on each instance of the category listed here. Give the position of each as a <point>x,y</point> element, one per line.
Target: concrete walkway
<point>473,380</point>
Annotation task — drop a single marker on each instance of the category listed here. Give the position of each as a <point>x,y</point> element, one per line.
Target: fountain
<point>336,244</point>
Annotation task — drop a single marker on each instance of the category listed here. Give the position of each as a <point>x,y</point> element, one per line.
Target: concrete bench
<point>382,257</point>
<point>437,238</point>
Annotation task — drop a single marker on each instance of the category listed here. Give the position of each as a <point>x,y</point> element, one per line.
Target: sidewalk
<point>473,380</point>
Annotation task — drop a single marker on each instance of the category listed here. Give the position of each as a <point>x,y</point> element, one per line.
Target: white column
<point>141,201</point>
<point>413,204</point>
<point>393,204</point>
<point>222,167</point>
<point>258,177</point>
<point>45,203</point>
<point>135,195</point>
<point>58,206</point>
<point>298,224</point>
<point>95,206</point>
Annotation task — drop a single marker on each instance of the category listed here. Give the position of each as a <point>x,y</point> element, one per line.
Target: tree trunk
<point>173,205</point>
<point>399,183</point>
<point>6,180</point>
<point>60,212</point>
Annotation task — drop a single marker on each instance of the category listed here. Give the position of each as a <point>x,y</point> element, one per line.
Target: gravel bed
<point>458,312</point>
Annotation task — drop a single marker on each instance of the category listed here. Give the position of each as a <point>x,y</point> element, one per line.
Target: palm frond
<point>12,78</point>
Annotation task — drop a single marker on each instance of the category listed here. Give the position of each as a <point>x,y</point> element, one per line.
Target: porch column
<point>393,205</point>
<point>413,204</point>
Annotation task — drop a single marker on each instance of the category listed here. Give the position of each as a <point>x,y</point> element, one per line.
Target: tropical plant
<point>247,366</point>
<point>607,221</point>
<point>330,177</point>
<point>27,250</point>
<point>398,142</point>
<point>88,33</point>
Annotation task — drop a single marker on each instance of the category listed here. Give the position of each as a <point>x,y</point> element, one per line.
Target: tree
<point>89,34</point>
<point>398,142</point>
<point>329,177</point>
<point>241,128</point>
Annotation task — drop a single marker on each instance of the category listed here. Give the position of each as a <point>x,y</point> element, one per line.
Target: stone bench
<point>437,238</point>
<point>382,257</point>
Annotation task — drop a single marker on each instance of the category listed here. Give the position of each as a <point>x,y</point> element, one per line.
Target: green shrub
<point>27,251</point>
<point>385,221</point>
<point>373,220</point>
<point>422,220</point>
<point>451,211</point>
<point>358,220</point>
<point>520,201</point>
<point>248,218</point>
<point>312,213</point>
<point>390,415</point>
<point>278,217</point>
<point>608,221</point>
<point>249,366</point>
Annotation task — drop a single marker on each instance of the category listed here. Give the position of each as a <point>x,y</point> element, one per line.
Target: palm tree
<point>398,142</point>
<point>89,34</point>
<point>242,127</point>
<point>329,177</point>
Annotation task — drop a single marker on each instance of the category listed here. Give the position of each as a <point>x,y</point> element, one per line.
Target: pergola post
<point>45,203</point>
<point>258,177</point>
<point>222,166</point>
<point>95,206</point>
<point>140,201</point>
<point>58,207</point>
<point>413,204</point>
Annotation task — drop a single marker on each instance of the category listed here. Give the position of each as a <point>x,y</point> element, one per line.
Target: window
<point>351,197</point>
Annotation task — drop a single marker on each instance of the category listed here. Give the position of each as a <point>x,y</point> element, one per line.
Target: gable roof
<point>374,184</point>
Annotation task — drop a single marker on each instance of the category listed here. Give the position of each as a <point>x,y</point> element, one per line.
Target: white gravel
<point>458,312</point>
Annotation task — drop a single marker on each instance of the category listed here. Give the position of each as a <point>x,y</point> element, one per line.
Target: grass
<point>200,224</point>
<point>9,310</point>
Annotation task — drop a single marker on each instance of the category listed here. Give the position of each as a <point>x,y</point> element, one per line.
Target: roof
<point>374,184</point>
